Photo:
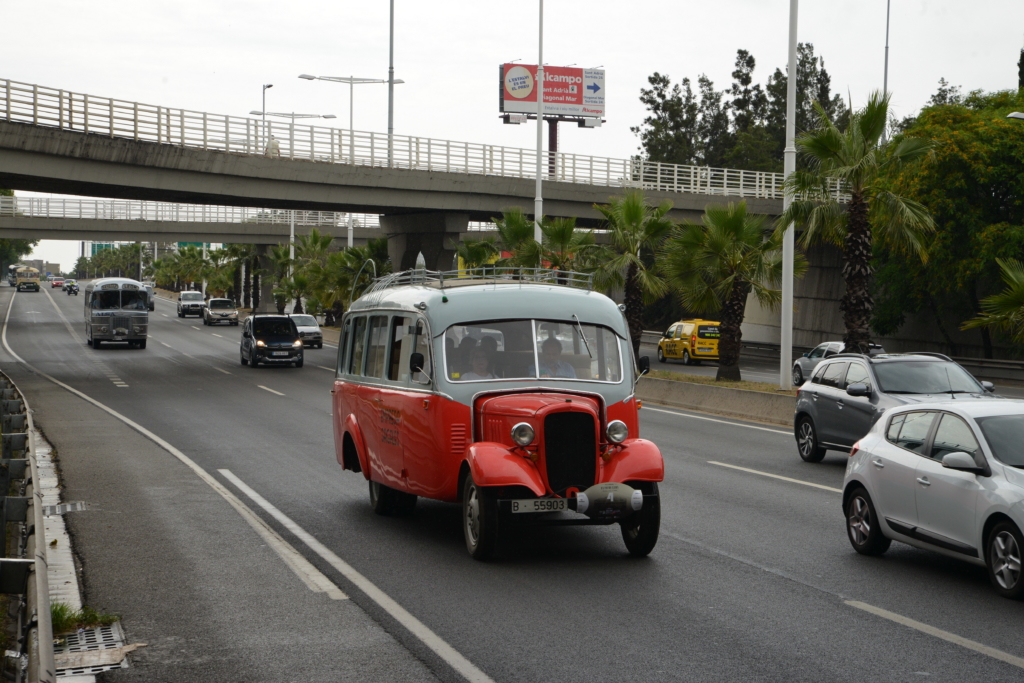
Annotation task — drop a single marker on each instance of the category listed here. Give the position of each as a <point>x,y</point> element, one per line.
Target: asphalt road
<point>753,577</point>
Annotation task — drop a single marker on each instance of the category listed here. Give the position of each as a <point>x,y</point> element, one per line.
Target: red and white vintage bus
<point>512,394</point>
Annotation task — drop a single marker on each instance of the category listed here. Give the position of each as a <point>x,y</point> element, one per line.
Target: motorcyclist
<point>73,289</point>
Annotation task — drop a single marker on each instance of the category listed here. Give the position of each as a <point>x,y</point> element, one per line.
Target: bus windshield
<point>117,300</point>
<point>531,349</point>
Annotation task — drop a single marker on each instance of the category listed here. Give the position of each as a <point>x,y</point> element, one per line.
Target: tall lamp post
<point>265,86</point>
<point>352,82</point>
<point>538,201</point>
<point>788,250</point>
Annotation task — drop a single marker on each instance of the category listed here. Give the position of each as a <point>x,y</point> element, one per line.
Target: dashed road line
<point>774,476</point>
<point>324,367</point>
<point>270,390</point>
<point>222,370</point>
<point>216,335</point>
<point>167,345</point>
<point>194,327</point>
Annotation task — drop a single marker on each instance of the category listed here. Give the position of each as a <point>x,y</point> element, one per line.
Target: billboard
<point>568,90</point>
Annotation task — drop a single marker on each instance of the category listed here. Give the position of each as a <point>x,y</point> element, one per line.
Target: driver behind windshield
<point>550,364</point>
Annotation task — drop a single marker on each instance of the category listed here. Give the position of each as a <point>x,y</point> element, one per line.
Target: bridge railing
<point>66,110</point>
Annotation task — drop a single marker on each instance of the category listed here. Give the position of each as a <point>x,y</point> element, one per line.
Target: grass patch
<point>66,619</point>
<point>766,387</point>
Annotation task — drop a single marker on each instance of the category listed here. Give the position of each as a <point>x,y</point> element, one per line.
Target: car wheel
<point>479,519</point>
<point>686,358</point>
<point>382,499</point>
<point>1003,555</point>
<point>640,532</point>
<point>862,526</point>
<point>807,441</point>
<point>661,355</point>
<point>298,363</point>
<point>320,345</point>
<point>798,376</point>
<point>254,361</point>
<point>242,359</point>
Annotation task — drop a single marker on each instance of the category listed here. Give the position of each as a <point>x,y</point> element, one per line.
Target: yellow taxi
<point>691,340</point>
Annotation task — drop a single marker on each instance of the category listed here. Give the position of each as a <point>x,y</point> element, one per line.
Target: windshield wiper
<point>583,336</point>
<point>897,391</point>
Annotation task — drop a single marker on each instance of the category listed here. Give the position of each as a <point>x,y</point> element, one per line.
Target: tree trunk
<point>857,304</point>
<point>236,284</point>
<point>255,282</point>
<point>953,350</point>
<point>246,283</point>
<point>298,305</point>
<point>986,337</point>
<point>730,319</point>
<point>634,300</point>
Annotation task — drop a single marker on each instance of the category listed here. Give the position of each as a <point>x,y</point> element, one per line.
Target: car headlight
<point>523,434</point>
<point>260,342</point>
<point>617,431</point>
<point>297,343</point>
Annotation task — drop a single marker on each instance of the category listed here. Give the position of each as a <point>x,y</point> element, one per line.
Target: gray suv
<point>848,392</point>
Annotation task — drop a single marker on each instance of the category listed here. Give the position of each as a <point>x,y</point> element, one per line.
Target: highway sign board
<point>568,91</point>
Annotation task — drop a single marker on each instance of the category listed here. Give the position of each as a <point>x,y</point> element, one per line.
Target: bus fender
<point>635,460</point>
<point>494,464</point>
<point>352,429</point>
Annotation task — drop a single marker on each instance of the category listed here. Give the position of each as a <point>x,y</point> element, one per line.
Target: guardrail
<point>66,110</point>
<point>25,576</point>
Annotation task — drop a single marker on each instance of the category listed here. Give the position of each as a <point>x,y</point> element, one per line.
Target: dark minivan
<point>270,339</point>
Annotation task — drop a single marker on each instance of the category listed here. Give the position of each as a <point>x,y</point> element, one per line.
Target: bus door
<point>379,422</point>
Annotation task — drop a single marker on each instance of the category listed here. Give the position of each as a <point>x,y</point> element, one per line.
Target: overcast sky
<point>214,55</point>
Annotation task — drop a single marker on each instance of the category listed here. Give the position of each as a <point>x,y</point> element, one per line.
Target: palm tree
<point>1004,311</point>
<point>714,265</point>
<point>636,230</point>
<point>515,235</point>
<point>474,254</point>
<point>857,160</point>
<point>565,247</point>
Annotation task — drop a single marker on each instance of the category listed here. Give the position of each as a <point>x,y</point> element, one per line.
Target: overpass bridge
<point>424,189</point>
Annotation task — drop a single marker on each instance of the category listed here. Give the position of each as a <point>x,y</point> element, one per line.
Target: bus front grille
<point>570,452</point>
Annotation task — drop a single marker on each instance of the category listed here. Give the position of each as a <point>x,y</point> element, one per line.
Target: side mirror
<point>416,362</point>
<point>246,334</point>
<point>960,461</point>
<point>858,389</point>
<point>988,386</point>
<point>645,365</point>
<point>667,334</point>
<point>807,354</point>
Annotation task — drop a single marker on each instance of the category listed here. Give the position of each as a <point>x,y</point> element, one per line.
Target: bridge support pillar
<point>430,233</point>
<point>266,266</point>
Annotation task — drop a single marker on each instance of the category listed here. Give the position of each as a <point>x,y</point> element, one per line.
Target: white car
<point>309,330</point>
<point>947,477</point>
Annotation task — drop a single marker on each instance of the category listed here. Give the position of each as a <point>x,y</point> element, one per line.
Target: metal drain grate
<point>89,640</point>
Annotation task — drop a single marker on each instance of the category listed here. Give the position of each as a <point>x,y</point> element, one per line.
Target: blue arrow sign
<point>594,86</point>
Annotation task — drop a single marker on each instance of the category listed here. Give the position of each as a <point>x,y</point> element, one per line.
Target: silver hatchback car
<point>309,330</point>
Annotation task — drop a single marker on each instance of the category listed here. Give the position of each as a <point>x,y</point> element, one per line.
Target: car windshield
<point>531,349</point>
<point>192,296</point>
<point>925,377</point>
<point>274,328</point>
<point>221,303</point>
<point>304,320</point>
<point>1005,434</point>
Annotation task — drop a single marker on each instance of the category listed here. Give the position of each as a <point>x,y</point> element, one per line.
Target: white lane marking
<point>270,390</point>
<point>167,345</point>
<point>938,633</point>
<point>309,574</point>
<point>216,335</point>
<point>324,367</point>
<point>165,315</point>
<point>774,476</point>
<point>414,625</point>
<point>67,324</point>
<point>222,370</point>
<point>711,419</point>
<point>193,327</point>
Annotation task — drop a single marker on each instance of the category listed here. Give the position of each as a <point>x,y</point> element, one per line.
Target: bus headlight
<point>138,328</point>
<point>617,431</point>
<point>523,434</point>
<point>104,328</point>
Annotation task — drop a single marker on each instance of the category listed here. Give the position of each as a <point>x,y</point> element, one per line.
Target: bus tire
<point>142,344</point>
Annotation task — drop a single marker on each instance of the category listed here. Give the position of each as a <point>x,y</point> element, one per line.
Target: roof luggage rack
<point>443,279</point>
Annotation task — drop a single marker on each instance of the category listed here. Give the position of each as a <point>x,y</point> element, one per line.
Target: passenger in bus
<point>550,363</point>
<point>480,366</point>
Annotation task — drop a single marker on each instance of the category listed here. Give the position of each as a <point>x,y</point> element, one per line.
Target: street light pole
<point>885,76</point>
<point>538,202</point>
<point>265,86</point>
<point>788,250</point>
<point>391,88</point>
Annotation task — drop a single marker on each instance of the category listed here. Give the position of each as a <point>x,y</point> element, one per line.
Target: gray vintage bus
<point>116,310</point>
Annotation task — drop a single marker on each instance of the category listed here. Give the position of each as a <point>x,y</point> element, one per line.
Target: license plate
<point>278,353</point>
<point>539,505</point>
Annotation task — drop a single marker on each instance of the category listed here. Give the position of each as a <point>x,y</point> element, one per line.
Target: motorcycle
<point>72,289</point>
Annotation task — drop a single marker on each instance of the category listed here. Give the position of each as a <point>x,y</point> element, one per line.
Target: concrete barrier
<point>741,403</point>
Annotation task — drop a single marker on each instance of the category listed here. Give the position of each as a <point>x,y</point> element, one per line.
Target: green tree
<point>474,254</point>
<point>636,230</point>
<point>515,235</point>
<point>1004,311</point>
<point>714,265</point>
<point>973,187</point>
<point>857,160</point>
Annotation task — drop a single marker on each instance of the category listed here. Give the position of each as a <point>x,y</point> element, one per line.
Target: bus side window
<point>378,346</point>
<point>343,349</point>
<point>355,366</point>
